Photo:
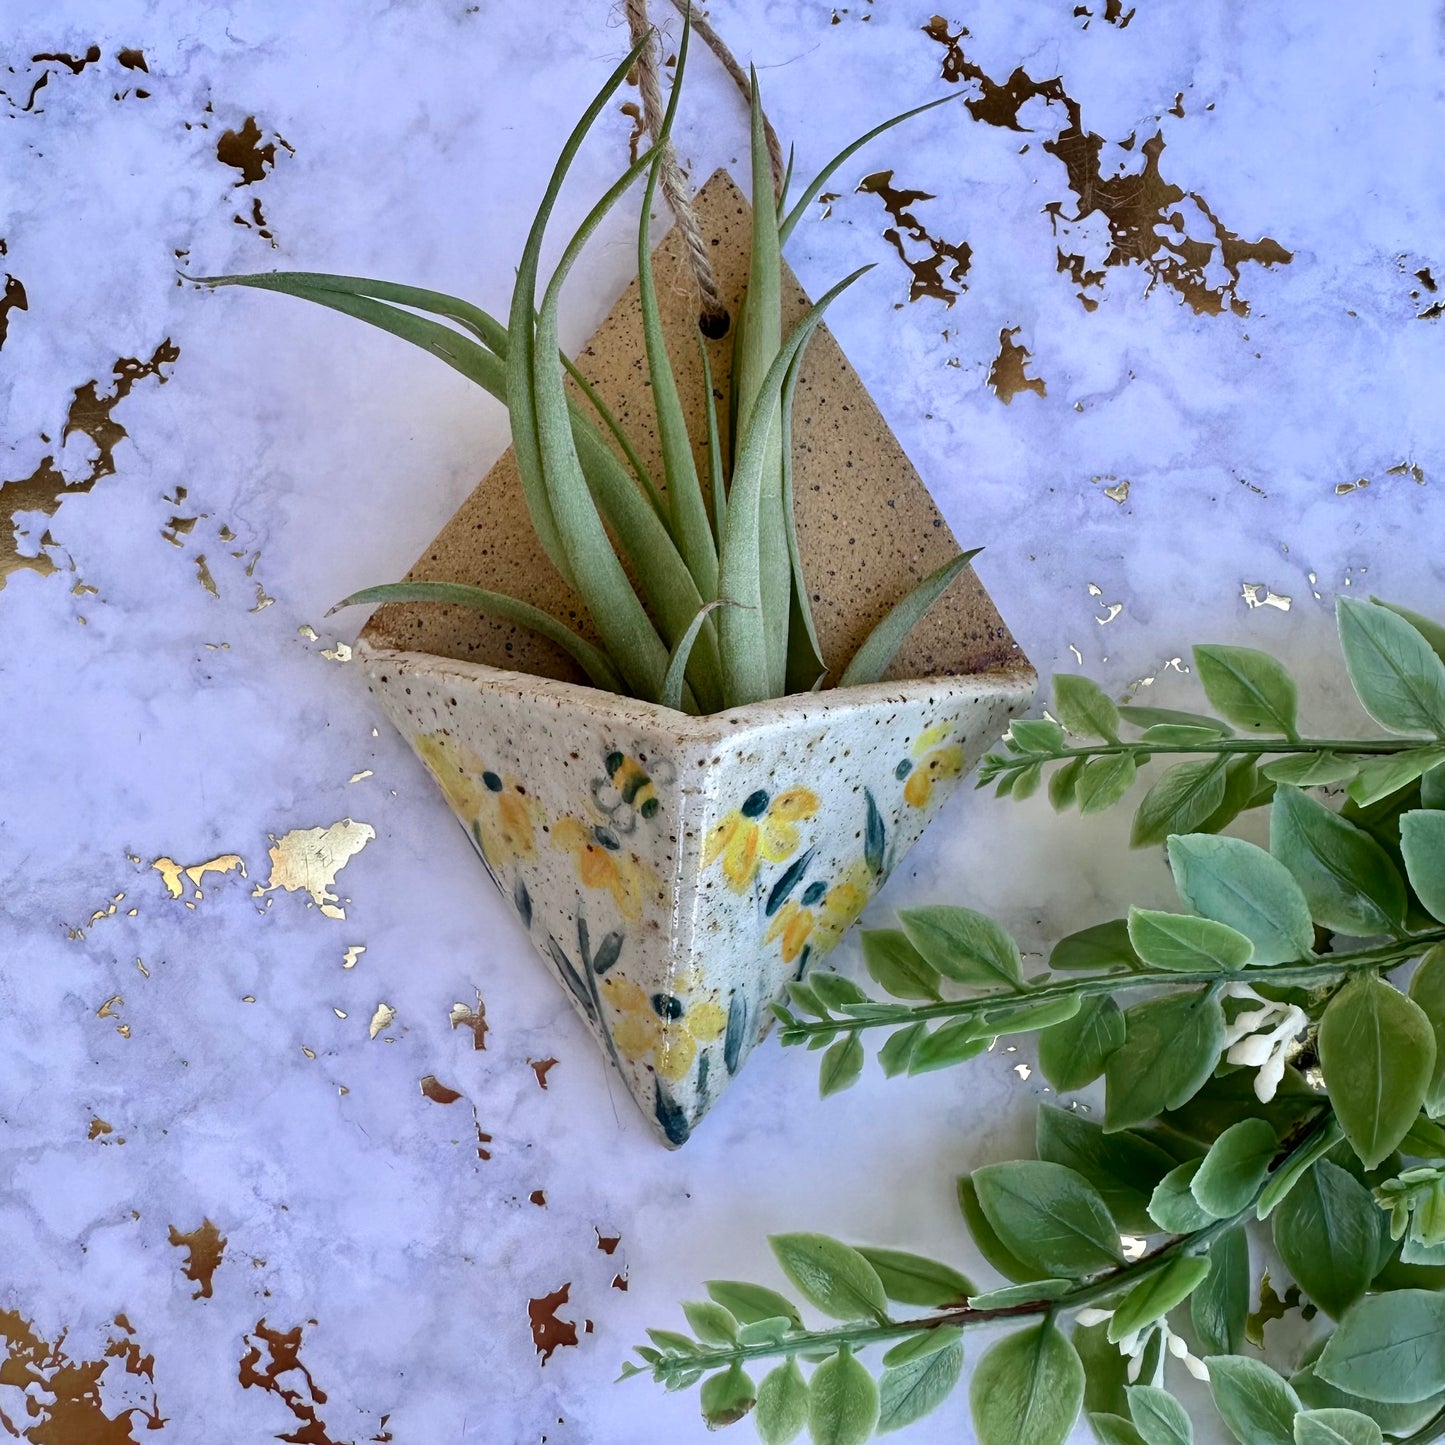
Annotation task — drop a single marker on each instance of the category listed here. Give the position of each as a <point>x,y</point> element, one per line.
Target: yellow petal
<point>930,738</point>
<point>706,1020</point>
<point>779,840</point>
<point>917,788</point>
<point>796,803</point>
<point>675,1053</point>
<point>624,995</point>
<point>740,860</point>
<point>718,837</point>
<point>634,1034</point>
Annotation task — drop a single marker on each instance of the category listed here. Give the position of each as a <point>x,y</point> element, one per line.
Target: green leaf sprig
<point>1272,1090</point>
<point>653,560</point>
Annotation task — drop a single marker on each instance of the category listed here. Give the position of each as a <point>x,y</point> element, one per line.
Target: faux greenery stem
<point>860,1335</point>
<point>1254,746</point>
<point>1329,966</point>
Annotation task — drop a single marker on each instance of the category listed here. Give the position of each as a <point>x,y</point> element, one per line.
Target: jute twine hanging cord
<point>672,177</point>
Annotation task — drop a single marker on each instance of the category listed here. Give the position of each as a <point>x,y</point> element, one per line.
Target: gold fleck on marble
<point>204,1247</point>
<point>1256,594</point>
<point>340,653</point>
<point>13,299</point>
<point>437,1091</point>
<point>172,872</point>
<point>473,1017</point>
<point>928,265</point>
<point>307,860</point>
<point>1007,377</point>
<point>310,1053</point>
<point>248,998</point>
<point>123,1030</point>
<point>1111,611</point>
<point>349,958</point>
<point>383,1018</point>
<point>548,1332</point>
<point>307,632</point>
<point>263,598</point>
<point>340,1013</point>
<point>1408,469</point>
<point>203,576</point>
<point>84,589</point>
<point>542,1067</point>
<point>98,1127</point>
<point>360,777</point>
<point>282,1352</point>
<point>177,529</point>
<point>244,151</point>
<point>110,1009</point>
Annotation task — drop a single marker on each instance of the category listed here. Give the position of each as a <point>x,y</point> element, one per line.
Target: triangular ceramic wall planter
<point>674,871</point>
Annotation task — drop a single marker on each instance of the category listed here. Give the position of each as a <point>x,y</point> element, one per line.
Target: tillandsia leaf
<point>522,342</point>
<point>672,682</point>
<point>592,659</point>
<point>619,435</point>
<point>812,189</point>
<point>758,342</point>
<point>875,654</point>
<point>745,661</point>
<point>787,181</point>
<point>804,665</point>
<point>717,479</point>
<point>685,502</point>
<point>632,643</point>
<point>638,528</point>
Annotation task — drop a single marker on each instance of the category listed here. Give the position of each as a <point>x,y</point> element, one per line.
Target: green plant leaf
<point>1422,840</point>
<point>1104,781</point>
<point>593,660</point>
<point>1257,1405</point>
<point>1389,1347</point>
<point>832,1276</point>
<point>1073,1053</point>
<point>1394,670</point>
<point>805,668</point>
<point>912,1279</point>
<point>877,650</point>
<point>1311,770</point>
<point>897,1054</point>
<point>1124,1167</point>
<point>1235,1167</point>
<point>837,992</point>
<point>1219,1308</point>
<point>1244,788</point>
<point>1177,735</point>
<point>1327,1232</point>
<point>1173,1206</point>
<point>711,1322</point>
<point>1156,1294</point>
<point>1035,735</point>
<point>1019,1294</point>
<point>752,1302</point>
<point>1084,708</point>
<point>1027,1387</point>
<point>1347,879</point>
<point>1377,1050</point>
<point>1096,949</point>
<point>1427,990</point>
<point>1048,1216</point>
<point>1186,944</point>
<point>1183,798</point>
<point>964,945</point>
<point>1114,1430</point>
<point>1064,782</point>
<point>1171,1046</point>
<point>1289,1174</point>
<point>1432,631</point>
<point>910,1391</point>
<point>1159,1417</point>
<point>727,1397</point>
<point>1318,1394</point>
<point>1105,1370</point>
<point>1234,882</point>
<point>1336,1427</point>
<point>1030,1017</point>
<point>765,1332</point>
<point>1248,687</point>
<point>947,1045</point>
<point>1379,777</point>
<point>1148,717</point>
<point>895,965</point>
<point>989,1245</point>
<point>782,1404</point>
<point>925,1342</point>
<point>841,1066</point>
<point>842,1401</point>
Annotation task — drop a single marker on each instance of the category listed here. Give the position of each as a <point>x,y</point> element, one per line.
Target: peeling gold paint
<point>263,598</point>
<point>473,1017</point>
<point>438,1092</point>
<point>1256,594</point>
<point>203,576</point>
<point>542,1067</point>
<point>1152,222</point>
<point>110,1009</point>
<point>13,299</point>
<point>308,633</point>
<point>383,1018</point>
<point>172,872</point>
<point>243,151</point>
<point>1111,611</point>
<point>204,1248</point>
<point>340,653</point>
<point>307,860</point>
<point>360,777</point>
<point>177,528</point>
<point>548,1332</point>
<point>98,1126</point>
<point>929,278</point>
<point>1006,376</point>
<point>349,958</point>
<point>46,487</point>
<point>282,1350</point>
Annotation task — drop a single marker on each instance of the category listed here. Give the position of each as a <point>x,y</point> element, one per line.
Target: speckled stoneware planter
<point>675,872</point>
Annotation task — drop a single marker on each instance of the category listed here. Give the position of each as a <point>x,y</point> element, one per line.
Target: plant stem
<point>1432,1430</point>
<point>865,1333</point>
<point>1329,966</point>
<point>1256,746</point>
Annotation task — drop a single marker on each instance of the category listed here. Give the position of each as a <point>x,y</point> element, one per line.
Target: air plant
<point>719,614</point>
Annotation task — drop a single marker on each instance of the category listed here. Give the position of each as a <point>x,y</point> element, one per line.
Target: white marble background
<point>149,717</point>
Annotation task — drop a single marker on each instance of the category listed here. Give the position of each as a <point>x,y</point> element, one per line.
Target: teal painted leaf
<point>1027,1387</point>
<point>1347,879</point>
<point>1048,1216</point>
<point>1234,882</point>
<point>1389,1347</point>
<point>875,835</point>
<point>832,1276</point>
<point>1257,1405</point>
<point>1394,670</point>
<point>1377,1050</point>
<point>1248,687</point>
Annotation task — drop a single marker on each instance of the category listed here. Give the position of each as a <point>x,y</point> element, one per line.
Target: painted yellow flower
<point>504,815</point>
<point>661,1025</point>
<point>602,864</point>
<point>762,830</point>
<point>937,761</point>
<point>823,915</point>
